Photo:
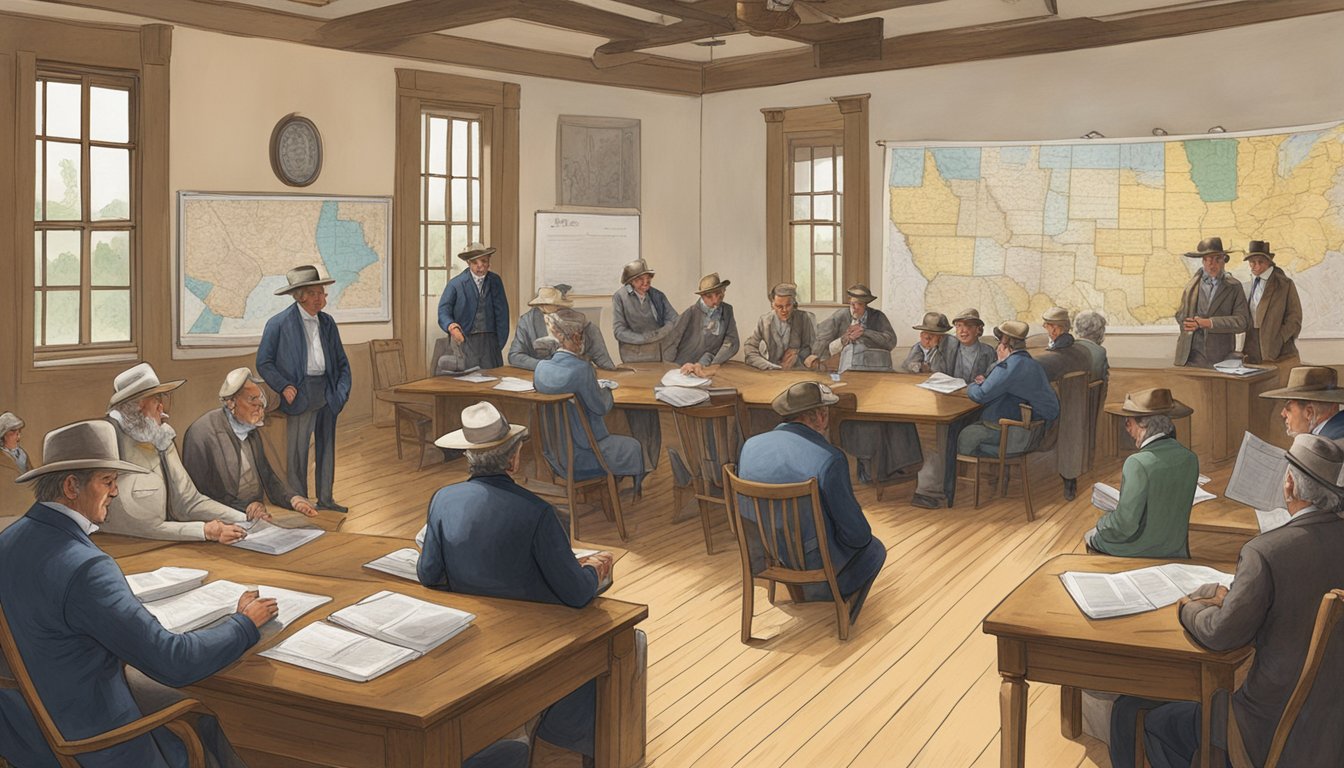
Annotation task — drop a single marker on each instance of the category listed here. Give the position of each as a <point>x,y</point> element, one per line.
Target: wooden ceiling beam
<point>578,17</point>
<point>413,17</point>
<point>681,32</point>
<point>1045,34</point>
<point>685,11</point>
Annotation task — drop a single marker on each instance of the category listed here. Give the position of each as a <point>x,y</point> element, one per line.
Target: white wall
<point>1280,74</point>
<point>228,92</point>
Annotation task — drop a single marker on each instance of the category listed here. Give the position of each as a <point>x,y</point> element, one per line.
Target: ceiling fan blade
<point>753,14</point>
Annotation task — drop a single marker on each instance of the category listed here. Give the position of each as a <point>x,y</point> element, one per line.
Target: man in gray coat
<point>1076,427</point>
<point>1281,576</point>
<point>933,353</point>
<point>971,357</point>
<point>705,336</point>
<point>1213,309</point>
<point>531,344</point>
<point>784,336</point>
<point>642,319</point>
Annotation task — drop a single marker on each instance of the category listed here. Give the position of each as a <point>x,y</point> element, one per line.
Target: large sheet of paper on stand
<point>585,250</point>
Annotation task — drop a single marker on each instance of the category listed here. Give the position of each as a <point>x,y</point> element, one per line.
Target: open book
<point>1104,595</point>
<point>1107,498</point>
<point>207,604</point>
<point>371,637</point>
<point>165,582</point>
<point>271,539</point>
<point>941,382</point>
<point>403,562</point>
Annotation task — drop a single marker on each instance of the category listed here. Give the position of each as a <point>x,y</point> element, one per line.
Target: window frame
<point>452,266</point>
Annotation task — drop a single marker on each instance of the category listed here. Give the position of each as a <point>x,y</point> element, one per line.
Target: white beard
<point>141,429</point>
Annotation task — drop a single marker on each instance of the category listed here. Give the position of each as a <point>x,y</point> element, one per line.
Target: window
<point>816,205</point>
<point>84,217</point>
<point>450,196</point>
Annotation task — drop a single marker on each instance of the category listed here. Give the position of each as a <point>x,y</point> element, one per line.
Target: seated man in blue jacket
<point>797,451</point>
<point>77,625</point>
<point>1017,379</point>
<point>490,536</point>
<point>567,372</point>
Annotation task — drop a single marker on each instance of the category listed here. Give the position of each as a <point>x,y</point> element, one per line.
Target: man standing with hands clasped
<point>474,310</point>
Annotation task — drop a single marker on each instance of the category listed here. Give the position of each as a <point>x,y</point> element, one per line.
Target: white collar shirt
<point>317,361</point>
<point>85,524</point>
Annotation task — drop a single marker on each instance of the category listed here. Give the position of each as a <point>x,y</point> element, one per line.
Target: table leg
<point>1070,711</point>
<point>1212,681</point>
<point>1013,722</point>
<point>614,736</point>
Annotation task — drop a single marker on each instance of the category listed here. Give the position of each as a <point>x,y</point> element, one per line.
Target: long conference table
<point>516,659</point>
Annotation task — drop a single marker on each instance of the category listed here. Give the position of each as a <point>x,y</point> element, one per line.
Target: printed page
<point>1156,587</point>
<point>403,620</point>
<point>335,651</point>
<point>274,540</point>
<point>164,582</point>
<point>941,382</point>
<point>198,607</point>
<point>1103,595</point>
<point>1188,578</point>
<point>1105,497</point>
<point>401,564</point>
<point>1257,477</point>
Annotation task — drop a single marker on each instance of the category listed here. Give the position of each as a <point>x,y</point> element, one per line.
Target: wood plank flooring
<point>915,685</point>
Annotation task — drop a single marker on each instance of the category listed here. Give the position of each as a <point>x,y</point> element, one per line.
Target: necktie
<point>1255,288</point>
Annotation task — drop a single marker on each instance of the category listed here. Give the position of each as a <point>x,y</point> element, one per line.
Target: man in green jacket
<point>1157,486</point>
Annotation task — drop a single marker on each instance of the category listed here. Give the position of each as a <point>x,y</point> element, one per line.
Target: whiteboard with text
<point>584,250</point>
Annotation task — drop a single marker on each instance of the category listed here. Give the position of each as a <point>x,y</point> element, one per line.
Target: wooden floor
<point>915,685</point>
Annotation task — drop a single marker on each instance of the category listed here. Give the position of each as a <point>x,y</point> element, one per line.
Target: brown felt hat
<point>635,269</point>
<point>549,296</point>
<point>302,277</point>
<point>1308,382</point>
<point>860,291</point>
<point>1209,246</point>
<point>711,283</point>
<point>82,445</point>
<point>1154,402</point>
<point>803,396</point>
<point>1013,329</point>
<point>475,251</point>
<point>1258,248</point>
<point>934,322</point>
<point>970,316</point>
<point>1057,316</point>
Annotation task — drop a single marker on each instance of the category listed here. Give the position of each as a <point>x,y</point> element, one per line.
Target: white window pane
<point>62,317</point>
<point>434,199</point>
<point>41,85</point>
<point>37,184</point>
<point>823,170</point>
<point>458,243</point>
<point>824,279</point>
<point>111,265</point>
<point>475,190</point>
<point>825,207</point>
<point>62,176</point>
<point>438,278</point>
<point>476,234</point>
<point>37,318</point>
<point>63,110</point>
<point>109,115</point>
<point>63,249</point>
<point>839,170</point>
<point>475,149</point>
<point>461,135</point>
<point>438,145</point>
<point>802,262</point>
<point>110,316</point>
<point>436,245</point>
<point>823,239</point>
<point>802,207</point>
<point>458,199</point>
<point>109,183</point>
<point>840,208</point>
<point>37,258</point>
<point>802,170</point>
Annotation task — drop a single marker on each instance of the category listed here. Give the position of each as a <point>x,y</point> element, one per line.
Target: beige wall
<point>1279,74</point>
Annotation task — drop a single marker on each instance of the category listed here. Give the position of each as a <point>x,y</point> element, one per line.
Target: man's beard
<point>143,429</point>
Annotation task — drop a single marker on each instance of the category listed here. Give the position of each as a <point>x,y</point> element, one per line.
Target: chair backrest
<point>24,682</point>
<point>781,520</point>
<point>1332,607</point>
<point>559,421</point>
<point>389,366</point>
<point>711,435</point>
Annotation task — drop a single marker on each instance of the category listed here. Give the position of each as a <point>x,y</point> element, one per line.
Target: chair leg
<point>396,426</point>
<point>842,617</point>
<point>1026,490</point>
<point>977,485</point>
<point>1140,755</point>
<point>614,494</point>
<point>772,593</point>
<point>704,523</point>
<point>748,586</point>
<point>573,513</point>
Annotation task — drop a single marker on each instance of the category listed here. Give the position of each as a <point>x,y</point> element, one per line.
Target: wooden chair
<point>172,717</point>
<point>1096,401</point>
<point>413,415</point>
<point>553,423</point>
<point>1003,460</point>
<point>711,435</point>
<point>776,525</point>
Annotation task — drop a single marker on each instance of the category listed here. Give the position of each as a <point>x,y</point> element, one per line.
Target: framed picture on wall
<point>597,162</point>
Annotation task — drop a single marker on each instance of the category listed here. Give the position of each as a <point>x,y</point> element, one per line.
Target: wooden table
<point>1043,636</point>
<point>1223,515</point>
<point>516,659</point>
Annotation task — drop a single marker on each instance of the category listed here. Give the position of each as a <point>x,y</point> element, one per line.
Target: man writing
<point>78,626</point>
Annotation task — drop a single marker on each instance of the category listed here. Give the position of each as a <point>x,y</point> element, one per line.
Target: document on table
<point>476,378</point>
<point>206,604</point>
<point>680,397</point>
<point>941,382</point>
<point>1235,368</point>
<point>401,564</point>
<point>514,384</point>
<point>164,582</point>
<point>1106,595</point>
<point>331,650</point>
<point>406,621</point>
<point>675,378</point>
<point>1257,477</point>
<point>272,539</point>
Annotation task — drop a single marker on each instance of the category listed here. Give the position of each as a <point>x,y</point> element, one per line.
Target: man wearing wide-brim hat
<point>1157,487</point>
<point>642,320</point>
<point>79,628</point>
<point>302,358</point>
<point>1076,427</point>
<point>1015,380</point>
<point>705,336</point>
<point>1212,311</point>
<point>1273,603</point>
<point>1311,402</point>
<point>163,502</point>
<point>795,452</point>
<point>531,343</point>
<point>1275,309</point>
<point>933,353</point>
<point>474,311</point>
<point>490,536</point>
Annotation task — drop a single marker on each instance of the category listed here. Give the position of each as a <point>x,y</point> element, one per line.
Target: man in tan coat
<point>1276,311</point>
<point>1213,309</point>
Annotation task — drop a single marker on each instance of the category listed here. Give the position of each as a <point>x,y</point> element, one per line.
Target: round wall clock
<point>296,151</point>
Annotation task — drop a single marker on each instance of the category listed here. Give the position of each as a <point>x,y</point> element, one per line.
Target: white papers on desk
<point>1104,595</point>
<point>941,382</point>
<point>680,397</point>
<point>165,582</point>
<point>1235,367</point>
<point>1107,498</point>
<point>476,378</point>
<point>608,383</point>
<point>1274,518</point>
<point>1257,477</point>
<point>271,539</point>
<point>514,384</point>
<point>401,564</point>
<point>339,652</point>
<point>675,378</point>
<point>206,604</point>
<point>402,620</point>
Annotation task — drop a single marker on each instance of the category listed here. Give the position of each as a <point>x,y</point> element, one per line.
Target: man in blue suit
<point>76,622</point>
<point>490,536</point>
<point>567,372</point>
<point>1017,379</point>
<point>474,310</point>
<point>302,358</point>
<point>1311,403</point>
<point>797,451</point>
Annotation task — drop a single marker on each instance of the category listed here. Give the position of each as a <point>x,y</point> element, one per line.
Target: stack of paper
<point>1104,595</point>
<point>205,605</point>
<point>680,397</point>
<point>475,378</point>
<point>401,564</point>
<point>513,384</point>
<point>377,634</point>
<point>271,539</point>
<point>675,378</point>
<point>165,582</point>
<point>1107,498</point>
<point>941,382</point>
<point>1235,368</point>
